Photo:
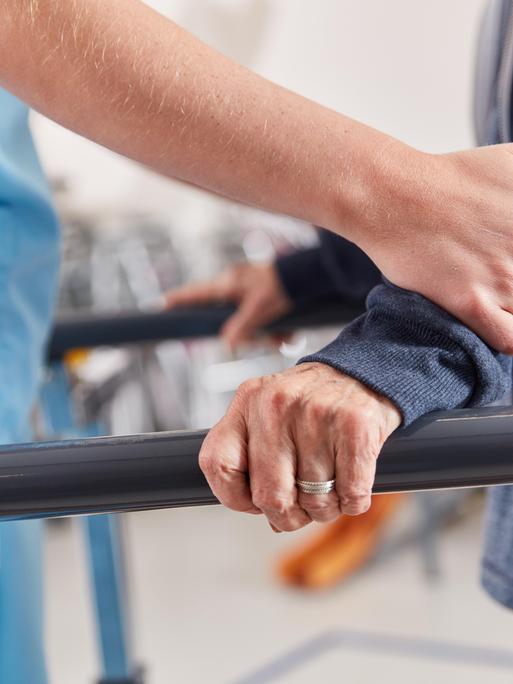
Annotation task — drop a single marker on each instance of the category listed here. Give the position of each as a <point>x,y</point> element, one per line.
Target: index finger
<point>198,293</point>
<point>224,462</point>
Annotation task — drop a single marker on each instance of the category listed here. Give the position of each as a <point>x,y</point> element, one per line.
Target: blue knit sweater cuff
<point>418,356</point>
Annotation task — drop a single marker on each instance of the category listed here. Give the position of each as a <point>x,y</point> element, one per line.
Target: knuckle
<point>249,388</point>
<point>318,412</point>
<point>293,525</point>
<point>279,399</point>
<point>317,505</point>
<point>259,501</point>
<point>296,519</point>
<point>323,511</point>
<point>356,507</point>
<point>332,516</point>
<point>353,420</point>
<point>272,502</point>
<point>235,503</point>
<point>474,306</point>
<point>324,409</point>
<point>354,492</point>
<point>207,462</point>
<point>214,467</point>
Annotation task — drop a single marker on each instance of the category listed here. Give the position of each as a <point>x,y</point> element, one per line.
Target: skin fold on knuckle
<point>355,490</point>
<point>358,444</point>
<point>356,506</point>
<point>217,473</point>
<point>355,479</point>
<point>239,504</point>
<point>280,510</point>
<point>208,460</point>
<point>222,464</point>
<point>475,307</point>
<point>273,502</point>
<point>355,476</point>
<point>227,486</point>
<point>291,523</point>
<point>319,509</point>
<point>206,463</point>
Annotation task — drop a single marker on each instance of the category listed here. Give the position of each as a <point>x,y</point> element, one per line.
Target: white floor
<point>208,609</point>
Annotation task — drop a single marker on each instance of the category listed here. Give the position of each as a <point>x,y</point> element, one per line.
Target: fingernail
<point>274,529</point>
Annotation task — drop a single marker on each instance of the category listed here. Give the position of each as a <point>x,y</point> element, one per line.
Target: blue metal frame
<point>106,563</point>
<point>104,539</point>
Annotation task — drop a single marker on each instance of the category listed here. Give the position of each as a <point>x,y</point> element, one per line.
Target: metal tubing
<point>114,474</point>
<point>180,324</point>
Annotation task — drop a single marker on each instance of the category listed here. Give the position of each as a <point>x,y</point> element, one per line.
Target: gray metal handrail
<point>468,448</point>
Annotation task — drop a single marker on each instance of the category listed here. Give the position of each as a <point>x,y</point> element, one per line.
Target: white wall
<point>404,66</point>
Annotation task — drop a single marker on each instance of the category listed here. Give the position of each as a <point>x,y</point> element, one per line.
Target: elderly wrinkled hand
<point>310,423</point>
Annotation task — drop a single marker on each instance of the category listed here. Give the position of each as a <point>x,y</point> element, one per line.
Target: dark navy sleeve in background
<point>335,268</point>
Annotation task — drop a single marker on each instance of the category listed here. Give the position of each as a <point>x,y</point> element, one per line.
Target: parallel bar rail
<point>143,472</point>
<point>181,324</point>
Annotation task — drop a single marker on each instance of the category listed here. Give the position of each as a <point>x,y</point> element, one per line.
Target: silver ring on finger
<point>308,487</point>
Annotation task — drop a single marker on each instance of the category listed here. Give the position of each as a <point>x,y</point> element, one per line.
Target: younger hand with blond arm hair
<point>125,76</point>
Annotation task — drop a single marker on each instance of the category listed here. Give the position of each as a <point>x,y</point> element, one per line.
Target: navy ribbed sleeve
<point>417,355</point>
<point>336,267</point>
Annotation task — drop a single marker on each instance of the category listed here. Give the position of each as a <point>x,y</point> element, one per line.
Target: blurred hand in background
<point>255,289</point>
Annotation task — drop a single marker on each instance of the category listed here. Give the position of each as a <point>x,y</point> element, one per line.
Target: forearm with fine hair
<point>123,75</point>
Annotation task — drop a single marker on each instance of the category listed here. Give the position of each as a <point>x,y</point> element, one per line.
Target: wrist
<point>397,191</point>
<point>382,182</point>
<point>406,203</point>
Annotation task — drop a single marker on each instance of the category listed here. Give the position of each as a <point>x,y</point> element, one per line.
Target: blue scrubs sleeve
<point>29,254</point>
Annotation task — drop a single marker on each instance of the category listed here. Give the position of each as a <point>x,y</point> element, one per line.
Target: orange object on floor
<point>340,548</point>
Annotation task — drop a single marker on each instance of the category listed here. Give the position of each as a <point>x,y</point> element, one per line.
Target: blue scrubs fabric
<point>29,254</point>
